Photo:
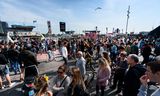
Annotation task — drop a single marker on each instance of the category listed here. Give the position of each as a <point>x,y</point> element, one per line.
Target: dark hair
<point>63,68</point>
<point>155,66</point>
<point>135,57</point>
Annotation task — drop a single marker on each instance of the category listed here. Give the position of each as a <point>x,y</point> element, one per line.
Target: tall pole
<point>106,30</point>
<point>128,12</point>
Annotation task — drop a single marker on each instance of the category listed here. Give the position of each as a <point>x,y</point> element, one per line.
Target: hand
<point>62,88</point>
<point>144,80</point>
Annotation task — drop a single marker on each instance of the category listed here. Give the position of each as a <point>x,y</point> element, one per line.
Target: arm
<point>82,67</point>
<point>55,87</point>
<point>143,89</point>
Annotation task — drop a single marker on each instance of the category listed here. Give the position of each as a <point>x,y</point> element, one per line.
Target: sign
<point>62,26</point>
<point>49,27</point>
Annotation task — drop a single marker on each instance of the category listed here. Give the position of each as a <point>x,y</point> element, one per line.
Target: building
<point>3,27</point>
<point>155,32</point>
<point>69,32</point>
<point>93,34</point>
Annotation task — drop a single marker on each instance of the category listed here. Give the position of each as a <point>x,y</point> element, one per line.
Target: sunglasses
<point>59,72</point>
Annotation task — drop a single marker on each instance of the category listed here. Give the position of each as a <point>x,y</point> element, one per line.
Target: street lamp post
<point>128,12</point>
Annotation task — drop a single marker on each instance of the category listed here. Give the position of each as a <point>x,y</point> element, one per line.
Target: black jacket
<point>131,80</point>
<point>3,59</point>
<point>27,58</point>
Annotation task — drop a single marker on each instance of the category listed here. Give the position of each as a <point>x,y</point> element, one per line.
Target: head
<point>132,59</point>
<point>123,55</point>
<point>61,71</point>
<point>79,54</point>
<point>65,44</point>
<point>41,84</point>
<point>107,57</point>
<point>77,78</point>
<point>103,63</point>
<point>153,71</point>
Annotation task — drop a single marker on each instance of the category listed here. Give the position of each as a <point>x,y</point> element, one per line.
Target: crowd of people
<point>119,64</point>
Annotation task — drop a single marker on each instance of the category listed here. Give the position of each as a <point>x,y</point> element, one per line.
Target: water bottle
<point>31,93</point>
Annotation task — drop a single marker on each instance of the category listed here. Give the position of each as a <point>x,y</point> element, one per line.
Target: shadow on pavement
<point>14,91</point>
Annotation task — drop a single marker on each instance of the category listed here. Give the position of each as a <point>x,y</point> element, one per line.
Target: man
<point>152,74</point>
<point>81,63</point>
<point>120,71</point>
<point>26,58</point>
<point>13,58</point>
<point>146,52</point>
<point>4,71</point>
<point>65,53</point>
<point>132,75</point>
<point>134,48</point>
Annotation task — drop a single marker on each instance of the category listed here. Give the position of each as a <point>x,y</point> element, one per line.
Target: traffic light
<point>62,26</point>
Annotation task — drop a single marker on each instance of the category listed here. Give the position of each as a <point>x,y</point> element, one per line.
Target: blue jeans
<point>15,66</point>
<point>4,70</point>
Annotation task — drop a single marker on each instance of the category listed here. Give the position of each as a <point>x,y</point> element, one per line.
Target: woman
<point>42,86</point>
<point>77,85</point>
<point>61,82</point>
<point>103,75</point>
<point>106,56</point>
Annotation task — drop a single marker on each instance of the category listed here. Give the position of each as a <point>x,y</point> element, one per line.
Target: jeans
<point>15,66</point>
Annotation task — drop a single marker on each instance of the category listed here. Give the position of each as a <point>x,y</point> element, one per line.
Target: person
<point>114,51</point>
<point>77,86</point>
<point>134,48</point>
<point>152,74</point>
<point>103,75</point>
<point>81,63</point>
<point>13,58</point>
<point>50,54</point>
<point>26,58</point>
<point>4,71</point>
<point>42,86</point>
<point>65,52</point>
<point>132,75</point>
<point>146,52</point>
<point>61,82</point>
<point>106,56</point>
<point>119,72</point>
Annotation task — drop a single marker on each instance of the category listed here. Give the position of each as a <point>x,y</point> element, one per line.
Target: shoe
<point>2,88</point>
<point>12,84</point>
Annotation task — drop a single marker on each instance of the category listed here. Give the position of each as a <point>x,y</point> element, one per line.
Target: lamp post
<point>128,12</point>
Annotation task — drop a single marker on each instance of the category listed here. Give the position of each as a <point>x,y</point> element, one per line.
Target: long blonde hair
<point>103,63</point>
<point>106,56</point>
<point>41,85</point>
<point>77,78</point>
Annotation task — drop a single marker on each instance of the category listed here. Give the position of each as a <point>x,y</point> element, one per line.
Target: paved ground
<point>48,68</point>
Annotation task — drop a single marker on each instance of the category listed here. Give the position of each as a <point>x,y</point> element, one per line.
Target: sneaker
<point>12,84</point>
<point>2,88</point>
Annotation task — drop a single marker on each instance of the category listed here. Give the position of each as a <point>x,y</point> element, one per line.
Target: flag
<point>98,8</point>
<point>34,21</point>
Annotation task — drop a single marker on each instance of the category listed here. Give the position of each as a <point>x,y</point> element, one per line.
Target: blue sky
<point>80,15</point>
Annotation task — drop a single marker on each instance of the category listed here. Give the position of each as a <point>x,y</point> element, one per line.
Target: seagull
<point>98,8</point>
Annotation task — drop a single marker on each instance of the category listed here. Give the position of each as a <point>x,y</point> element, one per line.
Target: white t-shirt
<point>64,52</point>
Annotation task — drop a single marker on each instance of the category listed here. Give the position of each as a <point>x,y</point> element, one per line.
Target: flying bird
<point>98,8</point>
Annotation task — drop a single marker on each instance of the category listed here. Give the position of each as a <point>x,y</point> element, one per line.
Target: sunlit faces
<point>153,77</point>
